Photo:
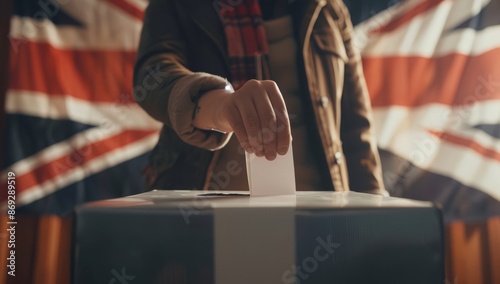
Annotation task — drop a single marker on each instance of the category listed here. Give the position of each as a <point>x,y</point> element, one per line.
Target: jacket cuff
<point>182,105</point>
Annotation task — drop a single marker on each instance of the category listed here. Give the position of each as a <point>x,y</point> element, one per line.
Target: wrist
<point>209,114</point>
<point>219,118</point>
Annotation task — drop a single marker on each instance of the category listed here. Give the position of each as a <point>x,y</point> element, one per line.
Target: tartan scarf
<point>247,47</point>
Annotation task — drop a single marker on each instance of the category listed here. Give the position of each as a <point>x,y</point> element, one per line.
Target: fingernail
<point>271,157</point>
<point>282,150</point>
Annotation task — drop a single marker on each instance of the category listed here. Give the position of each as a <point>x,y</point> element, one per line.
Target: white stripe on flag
<point>110,159</point>
<point>429,34</point>
<point>396,124</point>
<point>108,30</point>
<point>55,151</point>
<point>405,132</point>
<point>116,114</point>
<point>467,167</point>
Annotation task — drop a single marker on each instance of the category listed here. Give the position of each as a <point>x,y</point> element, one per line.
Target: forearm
<point>154,80</point>
<point>173,102</point>
<point>164,85</point>
<point>161,61</point>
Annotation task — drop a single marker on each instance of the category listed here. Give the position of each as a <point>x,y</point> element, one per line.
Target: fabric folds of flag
<point>433,71</point>
<point>74,132</point>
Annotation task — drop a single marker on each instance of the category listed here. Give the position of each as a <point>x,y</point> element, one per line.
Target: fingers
<point>267,134</point>
<point>238,126</point>
<point>282,122</point>
<point>251,120</point>
<point>258,116</point>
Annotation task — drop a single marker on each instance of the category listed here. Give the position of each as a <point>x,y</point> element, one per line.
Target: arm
<point>164,86</point>
<point>193,104</point>
<point>360,147</point>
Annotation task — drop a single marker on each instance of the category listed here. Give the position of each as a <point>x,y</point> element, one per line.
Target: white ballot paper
<point>271,177</point>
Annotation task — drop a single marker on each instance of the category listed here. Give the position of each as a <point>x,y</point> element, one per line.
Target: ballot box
<point>233,238</point>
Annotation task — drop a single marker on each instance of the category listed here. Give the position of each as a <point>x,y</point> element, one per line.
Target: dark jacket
<point>182,54</point>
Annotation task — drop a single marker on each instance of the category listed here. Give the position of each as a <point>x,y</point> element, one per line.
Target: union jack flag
<point>432,66</point>
<point>433,71</point>
<point>74,132</point>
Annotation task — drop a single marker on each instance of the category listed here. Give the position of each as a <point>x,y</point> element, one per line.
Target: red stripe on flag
<point>408,16</point>
<point>466,142</point>
<point>77,158</point>
<point>128,8</point>
<point>455,79</point>
<point>92,75</point>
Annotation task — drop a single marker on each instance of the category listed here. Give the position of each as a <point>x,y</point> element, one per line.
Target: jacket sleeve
<point>163,86</point>
<point>357,133</point>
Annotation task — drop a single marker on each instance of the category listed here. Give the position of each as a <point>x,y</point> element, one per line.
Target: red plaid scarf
<point>246,42</point>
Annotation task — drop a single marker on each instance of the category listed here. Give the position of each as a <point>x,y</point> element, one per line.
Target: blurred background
<point>72,133</point>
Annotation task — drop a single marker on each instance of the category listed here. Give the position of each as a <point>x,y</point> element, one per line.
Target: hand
<point>257,115</point>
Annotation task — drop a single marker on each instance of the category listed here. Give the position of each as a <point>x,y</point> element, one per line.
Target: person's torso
<point>321,57</point>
